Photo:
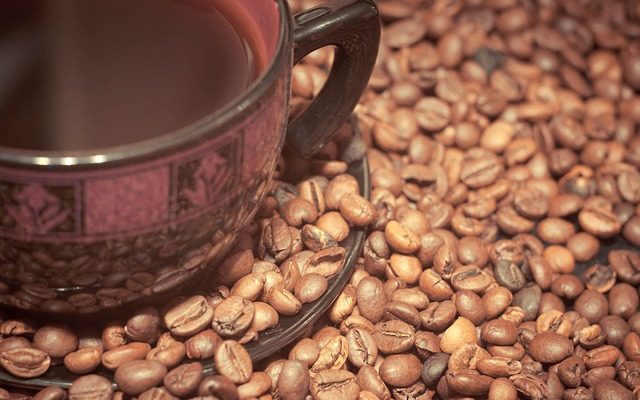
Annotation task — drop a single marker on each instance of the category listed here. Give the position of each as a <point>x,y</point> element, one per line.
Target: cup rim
<point>214,122</point>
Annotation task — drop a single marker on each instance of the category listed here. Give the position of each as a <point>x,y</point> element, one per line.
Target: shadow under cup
<point>86,232</point>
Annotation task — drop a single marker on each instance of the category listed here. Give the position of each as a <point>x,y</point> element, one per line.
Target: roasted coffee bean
<point>184,379</point>
<point>499,332</point>
<point>233,316</point>
<point>51,393</point>
<point>394,336</point>
<point>462,331</point>
<point>469,305</point>
<point>615,329</point>
<point>502,388</point>
<point>495,301</point>
<point>203,345</point>
<point>468,382</point>
<point>528,299</point>
<point>218,386</point>
<point>189,317</point>
<point>310,287</point>
<point>293,383</point>
<point>25,362</point>
<point>400,370</point>
<point>91,387</point>
<point>55,340</point>
<point>438,316</point>
<point>623,300</point>
<point>143,326</point>
<point>368,379</point>
<point>137,376</point>
<point>169,352</point>
<point>331,384</point>
<point>629,374</point>
<point>609,389</point>
<point>550,347</point>
<point>333,354</point>
<point>467,357</point>
<point>83,361</point>
<point>371,299</point>
<point>508,274</point>
<point>402,311</point>
<point>497,367</point>
<point>571,370</point>
<point>592,305</point>
<point>233,362</point>
<point>112,359</point>
<point>434,368</point>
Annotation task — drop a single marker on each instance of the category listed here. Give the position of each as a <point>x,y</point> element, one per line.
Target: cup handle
<point>353,26</point>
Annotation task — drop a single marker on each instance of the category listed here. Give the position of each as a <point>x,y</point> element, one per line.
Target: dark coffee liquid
<point>84,74</point>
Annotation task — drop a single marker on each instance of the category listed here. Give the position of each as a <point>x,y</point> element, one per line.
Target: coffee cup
<point>134,221</point>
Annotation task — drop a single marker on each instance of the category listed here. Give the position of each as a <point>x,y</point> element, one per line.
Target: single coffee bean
<point>502,388</point>
<point>528,299</point>
<point>615,329</point>
<point>89,387</point>
<point>305,350</point>
<point>592,305</point>
<point>603,356</point>
<point>550,347</point>
<point>156,393</point>
<point>436,288</point>
<point>362,347</point>
<point>496,300</point>
<point>394,336</point>
<point>333,354</point>
<point>571,370</point>
<point>610,389</point>
<point>583,245</point>
<point>368,379</point>
<point>51,393</point>
<point>218,386</point>
<point>629,374</point>
<point>55,340</point>
<point>203,345</point>
<point>169,352</point>
<point>25,362</point>
<point>497,367</point>
<point>371,299</point>
<point>293,383</point>
<point>233,361</point>
<point>599,277</point>
<point>332,384</point>
<point>438,316</point>
<point>310,287</point>
<point>400,370</point>
<point>112,359</point>
<point>530,386</point>
<point>469,305</point>
<point>499,332</point>
<point>83,361</point>
<point>143,326</point>
<point>184,379</point>
<point>233,316</point>
<point>623,300</point>
<point>137,376</point>
<point>594,376</point>
<point>468,382</point>
<point>508,274</point>
<point>189,317</point>
<point>462,331</point>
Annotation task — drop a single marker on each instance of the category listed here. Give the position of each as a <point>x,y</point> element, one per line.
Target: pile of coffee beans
<point>503,143</point>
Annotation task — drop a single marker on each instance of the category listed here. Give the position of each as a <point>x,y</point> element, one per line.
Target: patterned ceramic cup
<point>82,232</point>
